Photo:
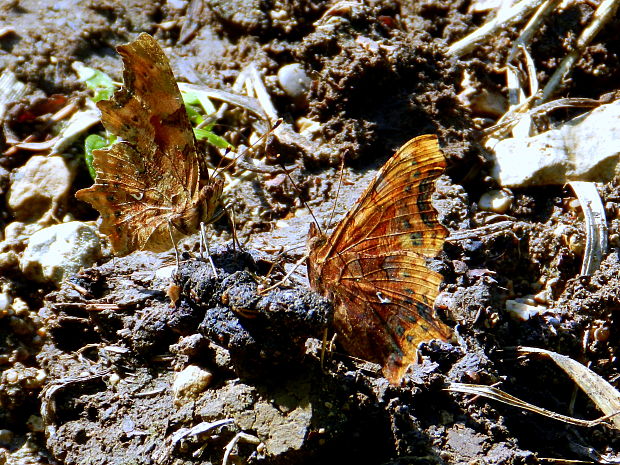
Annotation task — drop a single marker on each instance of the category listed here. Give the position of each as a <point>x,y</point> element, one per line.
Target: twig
<point>532,27</point>
<point>603,14</point>
<point>504,19</point>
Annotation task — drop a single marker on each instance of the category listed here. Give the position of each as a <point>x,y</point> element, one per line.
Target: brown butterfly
<point>151,184</point>
<point>373,266</point>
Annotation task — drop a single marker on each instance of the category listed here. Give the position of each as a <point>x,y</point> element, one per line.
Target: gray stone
<point>39,188</point>
<point>58,251</point>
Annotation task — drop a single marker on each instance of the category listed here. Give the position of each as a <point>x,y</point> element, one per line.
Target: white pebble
<point>190,383</point>
<point>497,201</point>
<point>294,80</point>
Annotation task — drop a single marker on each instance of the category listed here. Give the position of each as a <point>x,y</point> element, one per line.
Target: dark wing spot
<point>416,239</point>
<point>423,311</point>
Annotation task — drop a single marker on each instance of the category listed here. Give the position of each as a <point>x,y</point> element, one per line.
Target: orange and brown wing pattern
<point>373,265</point>
<point>151,177</point>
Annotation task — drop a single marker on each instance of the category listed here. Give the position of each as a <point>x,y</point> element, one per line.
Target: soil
<point>98,359</point>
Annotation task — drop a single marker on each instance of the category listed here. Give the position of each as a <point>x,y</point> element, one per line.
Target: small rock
<point>294,81</point>
<point>523,311</point>
<point>190,383</point>
<point>58,251</point>
<point>8,260</point>
<point>177,5</point>
<point>35,424</point>
<point>6,299</point>
<point>585,148</point>
<point>39,188</point>
<point>498,201</point>
<point>6,436</point>
<point>18,231</point>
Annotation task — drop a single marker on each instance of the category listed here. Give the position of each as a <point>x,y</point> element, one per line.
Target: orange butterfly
<point>150,185</point>
<point>373,265</point>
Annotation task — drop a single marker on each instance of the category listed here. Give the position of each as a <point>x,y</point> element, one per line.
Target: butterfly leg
<point>204,246</point>
<point>174,244</point>
<point>288,275</point>
<point>326,348</point>
<point>231,216</point>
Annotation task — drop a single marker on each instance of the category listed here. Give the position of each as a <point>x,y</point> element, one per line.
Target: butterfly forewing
<point>396,206</point>
<point>373,266</point>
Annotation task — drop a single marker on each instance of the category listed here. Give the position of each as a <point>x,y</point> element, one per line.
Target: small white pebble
<point>20,307</point>
<point>294,80</point>
<point>114,379</point>
<point>561,230</point>
<point>574,205</point>
<point>497,201</point>
<point>542,297</point>
<point>190,383</point>
<point>5,301</point>
<point>11,376</point>
<point>36,381</point>
<point>523,312</point>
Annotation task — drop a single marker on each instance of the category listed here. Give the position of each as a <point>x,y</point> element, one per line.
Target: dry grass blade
<point>532,27</point>
<point>603,394</point>
<point>504,18</point>
<point>247,103</point>
<point>596,225</point>
<point>509,120</point>
<point>501,396</point>
<point>603,14</point>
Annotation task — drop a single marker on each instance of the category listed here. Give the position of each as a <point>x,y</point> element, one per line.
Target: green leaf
<point>194,116</point>
<point>100,83</point>
<point>212,138</point>
<point>93,142</point>
<point>197,97</point>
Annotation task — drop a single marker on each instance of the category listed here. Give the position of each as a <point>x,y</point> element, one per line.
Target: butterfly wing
<point>395,210</point>
<point>384,308</point>
<point>151,177</point>
<point>373,265</point>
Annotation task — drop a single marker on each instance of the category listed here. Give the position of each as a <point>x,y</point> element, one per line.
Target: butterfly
<point>373,265</point>
<point>151,186</point>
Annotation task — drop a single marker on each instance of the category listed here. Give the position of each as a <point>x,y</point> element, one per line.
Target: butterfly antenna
<point>326,348</point>
<point>260,140</point>
<point>331,216</point>
<point>233,225</point>
<point>302,200</point>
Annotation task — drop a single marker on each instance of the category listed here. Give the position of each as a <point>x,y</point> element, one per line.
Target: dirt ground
<point>89,372</point>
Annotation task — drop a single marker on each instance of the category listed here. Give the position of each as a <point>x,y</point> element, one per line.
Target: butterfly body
<point>373,265</point>
<point>150,184</point>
